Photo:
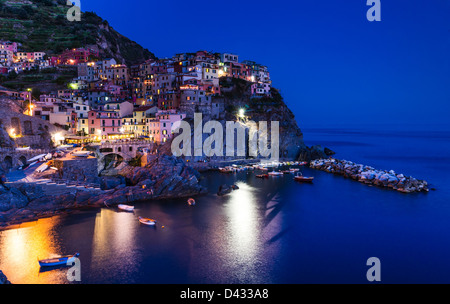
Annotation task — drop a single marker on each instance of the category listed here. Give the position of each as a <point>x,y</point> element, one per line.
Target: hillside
<point>42,25</point>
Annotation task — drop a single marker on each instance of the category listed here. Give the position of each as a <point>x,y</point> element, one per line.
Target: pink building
<point>104,123</point>
<point>12,46</point>
<point>160,127</point>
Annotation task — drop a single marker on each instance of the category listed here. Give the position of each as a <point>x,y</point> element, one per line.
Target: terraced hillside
<point>42,25</point>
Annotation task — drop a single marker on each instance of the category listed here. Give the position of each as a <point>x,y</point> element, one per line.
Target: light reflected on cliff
<point>21,248</point>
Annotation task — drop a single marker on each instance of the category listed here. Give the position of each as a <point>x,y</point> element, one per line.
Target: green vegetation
<point>43,26</point>
<point>35,78</point>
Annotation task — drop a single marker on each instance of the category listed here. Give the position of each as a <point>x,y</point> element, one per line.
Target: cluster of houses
<point>109,100</point>
<point>13,60</point>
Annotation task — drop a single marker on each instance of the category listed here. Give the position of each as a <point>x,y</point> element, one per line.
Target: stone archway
<point>112,160</point>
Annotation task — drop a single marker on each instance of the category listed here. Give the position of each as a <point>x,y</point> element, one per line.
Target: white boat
<point>275,173</point>
<point>294,170</point>
<point>81,153</point>
<point>48,156</point>
<point>147,221</point>
<point>125,207</point>
<point>63,147</point>
<point>42,168</point>
<point>36,158</point>
<point>23,149</point>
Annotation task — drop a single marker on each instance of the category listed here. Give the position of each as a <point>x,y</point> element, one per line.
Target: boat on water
<point>294,169</point>
<point>147,221</point>
<point>64,260</point>
<point>191,202</point>
<point>262,175</point>
<point>303,163</point>
<point>125,207</point>
<point>81,153</point>
<point>286,171</point>
<point>304,179</point>
<point>275,173</point>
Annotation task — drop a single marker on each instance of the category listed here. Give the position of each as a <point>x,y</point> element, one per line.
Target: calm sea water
<point>268,231</point>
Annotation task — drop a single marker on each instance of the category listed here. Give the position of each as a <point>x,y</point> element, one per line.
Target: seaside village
<point>112,101</point>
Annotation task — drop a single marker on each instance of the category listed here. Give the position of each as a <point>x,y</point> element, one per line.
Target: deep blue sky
<point>330,63</point>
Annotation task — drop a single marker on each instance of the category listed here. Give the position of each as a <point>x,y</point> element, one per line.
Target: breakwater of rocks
<point>369,175</point>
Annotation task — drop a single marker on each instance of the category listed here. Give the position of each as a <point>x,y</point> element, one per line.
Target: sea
<point>269,231</point>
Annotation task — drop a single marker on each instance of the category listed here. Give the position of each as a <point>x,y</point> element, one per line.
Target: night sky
<point>331,64</point>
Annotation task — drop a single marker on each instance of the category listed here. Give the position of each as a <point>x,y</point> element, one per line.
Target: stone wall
<point>80,170</point>
<point>34,132</point>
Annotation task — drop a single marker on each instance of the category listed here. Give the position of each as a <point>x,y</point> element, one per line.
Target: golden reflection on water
<point>21,248</point>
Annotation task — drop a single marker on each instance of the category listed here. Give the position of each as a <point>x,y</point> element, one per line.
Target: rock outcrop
<point>371,176</point>
<point>3,279</point>
<point>314,152</point>
<point>163,177</point>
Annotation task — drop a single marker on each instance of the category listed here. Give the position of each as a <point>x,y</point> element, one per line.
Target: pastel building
<point>104,123</point>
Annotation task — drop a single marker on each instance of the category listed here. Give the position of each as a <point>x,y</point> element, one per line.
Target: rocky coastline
<point>371,176</point>
<point>164,177</point>
<point>3,279</point>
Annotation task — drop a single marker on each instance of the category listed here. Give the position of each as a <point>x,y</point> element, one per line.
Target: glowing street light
<point>241,113</point>
<point>12,132</point>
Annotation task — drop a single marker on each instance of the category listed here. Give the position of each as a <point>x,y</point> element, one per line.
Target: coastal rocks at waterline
<point>3,279</point>
<point>163,177</point>
<point>225,189</point>
<point>314,152</point>
<point>370,175</point>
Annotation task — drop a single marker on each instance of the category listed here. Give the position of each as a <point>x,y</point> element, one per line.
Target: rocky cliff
<point>236,97</point>
<point>162,178</point>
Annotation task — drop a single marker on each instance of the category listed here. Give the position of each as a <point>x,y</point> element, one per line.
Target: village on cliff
<point>110,100</point>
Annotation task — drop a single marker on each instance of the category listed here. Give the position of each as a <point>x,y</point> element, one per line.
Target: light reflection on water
<point>243,229</point>
<point>21,248</point>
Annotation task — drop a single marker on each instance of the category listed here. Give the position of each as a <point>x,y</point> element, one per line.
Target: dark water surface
<point>268,231</point>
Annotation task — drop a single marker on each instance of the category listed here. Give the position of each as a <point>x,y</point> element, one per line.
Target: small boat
<point>64,260</point>
<point>125,207</point>
<point>304,179</point>
<point>286,171</point>
<point>81,153</point>
<point>191,202</point>
<point>294,169</point>
<point>226,170</point>
<point>147,221</point>
<point>262,176</point>
<point>42,168</point>
<point>275,173</point>
<point>36,158</point>
<point>23,149</point>
<point>263,169</point>
<point>303,163</point>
